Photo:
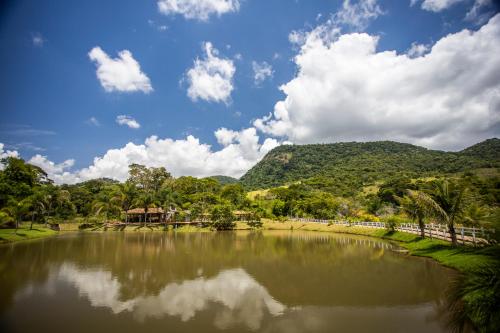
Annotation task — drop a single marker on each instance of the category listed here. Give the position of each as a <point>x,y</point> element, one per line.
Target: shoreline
<point>9,236</point>
<point>461,258</point>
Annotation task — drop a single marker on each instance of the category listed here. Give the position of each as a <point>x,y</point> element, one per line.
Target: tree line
<point>27,194</point>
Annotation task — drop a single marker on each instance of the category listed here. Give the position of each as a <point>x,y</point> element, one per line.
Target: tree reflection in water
<point>244,281</point>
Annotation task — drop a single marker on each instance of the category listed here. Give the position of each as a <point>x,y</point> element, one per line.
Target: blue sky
<point>55,106</point>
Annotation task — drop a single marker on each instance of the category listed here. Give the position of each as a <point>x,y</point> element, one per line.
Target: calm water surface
<point>211,282</point>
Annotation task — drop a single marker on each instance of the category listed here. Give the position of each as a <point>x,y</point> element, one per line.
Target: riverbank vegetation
<point>468,198</point>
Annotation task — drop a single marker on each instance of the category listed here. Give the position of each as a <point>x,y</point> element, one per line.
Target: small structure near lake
<point>139,215</point>
<point>243,215</point>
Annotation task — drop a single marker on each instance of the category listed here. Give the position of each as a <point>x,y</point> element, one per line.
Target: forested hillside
<point>344,168</point>
<point>224,180</point>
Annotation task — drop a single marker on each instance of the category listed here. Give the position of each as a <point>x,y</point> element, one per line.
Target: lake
<point>271,281</point>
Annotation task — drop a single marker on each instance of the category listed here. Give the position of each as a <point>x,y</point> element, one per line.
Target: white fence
<point>465,235</point>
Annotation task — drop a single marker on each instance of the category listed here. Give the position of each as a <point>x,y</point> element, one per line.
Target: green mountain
<point>224,180</point>
<point>488,150</point>
<point>346,167</point>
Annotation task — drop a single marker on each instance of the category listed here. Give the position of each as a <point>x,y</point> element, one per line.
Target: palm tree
<point>169,198</point>
<point>126,195</point>
<point>445,202</point>
<point>415,211</point>
<point>38,203</point>
<point>50,193</point>
<point>475,215</point>
<point>16,209</point>
<point>146,201</point>
<point>105,203</point>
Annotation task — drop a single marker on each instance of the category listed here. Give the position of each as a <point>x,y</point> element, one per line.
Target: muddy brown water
<point>272,281</point>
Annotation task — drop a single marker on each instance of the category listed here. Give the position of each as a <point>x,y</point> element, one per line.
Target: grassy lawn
<point>23,233</point>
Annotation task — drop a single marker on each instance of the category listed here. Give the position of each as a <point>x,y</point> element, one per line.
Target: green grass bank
<point>461,258</point>
<point>24,233</point>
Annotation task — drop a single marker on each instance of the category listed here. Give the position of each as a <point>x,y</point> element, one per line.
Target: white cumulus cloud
<point>119,74</point>
<point>417,50</point>
<point>261,71</point>
<point>58,172</point>
<point>241,150</point>
<point>127,121</point>
<point>198,9</point>
<point>7,153</point>
<point>346,90</point>
<point>211,78</point>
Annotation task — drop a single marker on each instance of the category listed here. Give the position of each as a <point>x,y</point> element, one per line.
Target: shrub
<point>366,217</point>
<point>6,221</point>
<point>391,222</point>
<point>255,224</point>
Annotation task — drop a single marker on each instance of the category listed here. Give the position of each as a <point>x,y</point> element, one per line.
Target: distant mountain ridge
<point>224,180</point>
<point>368,161</point>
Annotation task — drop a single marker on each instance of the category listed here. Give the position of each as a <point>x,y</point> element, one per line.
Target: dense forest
<point>355,181</point>
<point>345,168</point>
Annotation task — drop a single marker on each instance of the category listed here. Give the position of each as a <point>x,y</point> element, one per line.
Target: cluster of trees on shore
<point>401,200</point>
<point>26,193</point>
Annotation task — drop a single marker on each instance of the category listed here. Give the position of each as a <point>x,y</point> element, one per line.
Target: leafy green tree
<point>106,204</point>
<point>254,220</point>
<point>147,179</point>
<point>475,214</point>
<point>222,217</point>
<point>82,199</point>
<point>18,178</point>
<point>319,205</point>
<point>373,204</point>
<point>38,203</point>
<point>16,209</point>
<point>235,194</point>
<point>279,208</point>
<point>64,208</point>
<point>125,195</point>
<point>6,221</point>
<point>196,210</point>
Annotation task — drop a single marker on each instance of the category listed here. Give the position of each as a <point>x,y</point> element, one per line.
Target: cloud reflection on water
<point>242,298</point>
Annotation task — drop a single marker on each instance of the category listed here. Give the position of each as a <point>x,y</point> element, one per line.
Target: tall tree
<point>18,178</point>
<point>445,202</point>
<point>410,204</point>
<point>38,204</point>
<point>125,194</point>
<point>16,209</point>
<point>147,179</point>
<point>105,204</point>
<point>222,217</point>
